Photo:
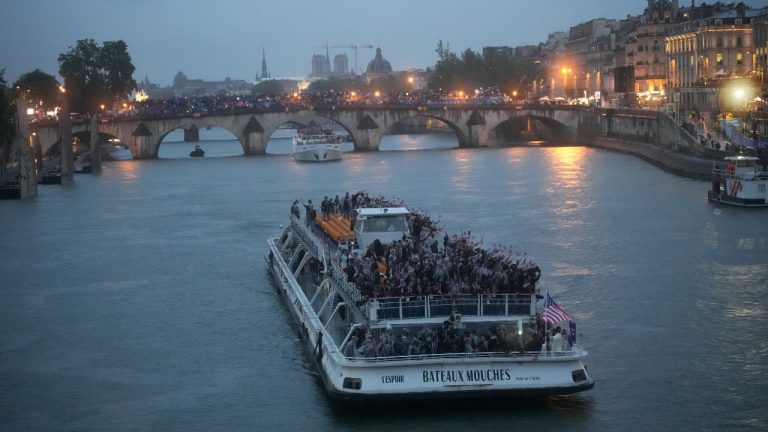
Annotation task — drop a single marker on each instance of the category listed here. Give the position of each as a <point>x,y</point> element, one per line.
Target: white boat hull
<point>428,376</point>
<point>317,152</point>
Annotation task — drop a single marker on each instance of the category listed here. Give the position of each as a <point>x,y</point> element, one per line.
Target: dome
<point>379,65</point>
<point>179,79</point>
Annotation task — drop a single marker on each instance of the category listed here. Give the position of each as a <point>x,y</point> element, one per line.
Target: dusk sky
<point>217,39</point>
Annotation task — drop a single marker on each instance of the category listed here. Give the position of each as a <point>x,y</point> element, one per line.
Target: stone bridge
<point>474,126</point>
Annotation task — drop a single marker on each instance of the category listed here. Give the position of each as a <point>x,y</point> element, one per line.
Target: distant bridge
<point>474,125</point>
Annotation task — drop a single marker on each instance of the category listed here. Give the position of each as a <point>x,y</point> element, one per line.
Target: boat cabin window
<point>745,163</point>
<point>393,223</point>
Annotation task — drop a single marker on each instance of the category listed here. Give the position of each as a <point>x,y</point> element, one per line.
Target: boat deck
<point>337,227</point>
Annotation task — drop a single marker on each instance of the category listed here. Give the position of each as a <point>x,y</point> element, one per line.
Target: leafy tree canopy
<point>95,75</point>
<point>473,70</point>
<point>39,89</point>
<point>268,87</point>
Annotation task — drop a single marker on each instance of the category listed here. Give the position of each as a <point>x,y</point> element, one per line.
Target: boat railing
<point>398,308</point>
<point>340,278</point>
<point>575,351</point>
<point>309,239</point>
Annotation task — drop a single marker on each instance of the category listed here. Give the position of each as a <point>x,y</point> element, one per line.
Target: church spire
<point>264,71</point>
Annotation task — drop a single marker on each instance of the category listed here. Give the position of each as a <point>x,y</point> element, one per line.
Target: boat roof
<point>382,211</point>
<point>738,158</point>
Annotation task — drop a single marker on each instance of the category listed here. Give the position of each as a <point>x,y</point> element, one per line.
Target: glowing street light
<point>741,94</point>
<point>566,71</point>
<point>410,80</point>
<point>377,93</point>
<point>102,107</point>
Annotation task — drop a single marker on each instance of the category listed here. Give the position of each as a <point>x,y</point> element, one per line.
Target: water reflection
<point>567,189</point>
<point>463,169</point>
<point>128,169</point>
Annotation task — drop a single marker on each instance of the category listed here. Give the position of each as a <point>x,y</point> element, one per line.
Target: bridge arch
<point>80,139</point>
<point>201,124</point>
<point>303,118</point>
<point>452,125</point>
<point>528,127</point>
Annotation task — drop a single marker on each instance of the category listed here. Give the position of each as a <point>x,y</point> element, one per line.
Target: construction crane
<point>354,48</point>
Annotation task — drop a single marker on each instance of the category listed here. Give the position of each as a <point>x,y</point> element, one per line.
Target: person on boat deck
<point>295,209</point>
<point>350,349</point>
<point>557,340</point>
<point>309,210</point>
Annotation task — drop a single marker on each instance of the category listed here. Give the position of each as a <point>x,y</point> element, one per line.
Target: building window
<point>738,41</point>
<point>738,21</point>
<point>719,59</point>
<point>739,59</point>
<point>719,42</point>
<point>718,22</point>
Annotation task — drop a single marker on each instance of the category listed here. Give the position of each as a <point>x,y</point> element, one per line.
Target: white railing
<point>575,351</point>
<point>397,308</point>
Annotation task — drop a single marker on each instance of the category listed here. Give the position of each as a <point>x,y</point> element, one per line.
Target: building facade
<point>708,54</point>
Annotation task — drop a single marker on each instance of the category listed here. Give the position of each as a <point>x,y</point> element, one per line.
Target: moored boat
<point>386,313</point>
<point>316,144</point>
<point>197,152</point>
<point>741,183</point>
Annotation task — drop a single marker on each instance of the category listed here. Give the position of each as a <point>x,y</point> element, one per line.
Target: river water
<point>138,299</point>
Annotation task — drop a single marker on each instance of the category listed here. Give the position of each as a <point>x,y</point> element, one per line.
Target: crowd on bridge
<point>331,99</point>
<point>426,261</point>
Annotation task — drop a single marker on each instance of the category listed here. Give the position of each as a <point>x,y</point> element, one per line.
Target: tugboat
<point>197,152</point>
<point>380,326</point>
<point>740,183</point>
<point>316,144</point>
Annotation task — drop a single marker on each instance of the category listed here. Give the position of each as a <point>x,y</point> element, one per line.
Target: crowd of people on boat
<point>426,261</point>
<point>450,339</point>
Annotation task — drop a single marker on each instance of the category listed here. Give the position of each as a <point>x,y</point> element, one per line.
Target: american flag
<point>552,313</point>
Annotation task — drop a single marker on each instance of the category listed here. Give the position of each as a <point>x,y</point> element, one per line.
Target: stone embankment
<point>666,158</point>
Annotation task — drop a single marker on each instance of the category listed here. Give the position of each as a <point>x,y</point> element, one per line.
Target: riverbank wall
<point>663,157</point>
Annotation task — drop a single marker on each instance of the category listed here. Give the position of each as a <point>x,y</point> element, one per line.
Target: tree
<point>39,89</point>
<point>117,70</point>
<point>7,124</point>
<point>268,87</point>
<point>473,70</point>
<point>95,75</point>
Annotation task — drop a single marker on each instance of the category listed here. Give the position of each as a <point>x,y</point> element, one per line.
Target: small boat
<point>83,163</point>
<point>315,144</point>
<point>741,183</point>
<point>373,336</point>
<point>51,177</point>
<point>197,152</point>
<point>10,191</point>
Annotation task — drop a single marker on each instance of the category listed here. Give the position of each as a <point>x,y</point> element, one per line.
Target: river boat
<point>197,152</point>
<point>741,183</point>
<point>340,318</point>
<point>315,144</point>
<point>10,190</point>
<point>50,177</point>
